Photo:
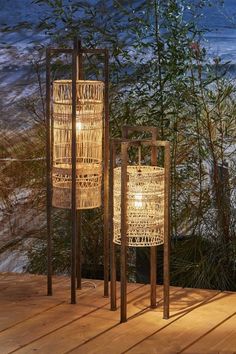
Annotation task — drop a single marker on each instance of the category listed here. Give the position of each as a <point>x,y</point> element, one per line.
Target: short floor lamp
<point>139,198</point>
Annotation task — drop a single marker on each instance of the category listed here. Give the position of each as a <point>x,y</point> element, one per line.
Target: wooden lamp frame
<point>76,53</point>
<point>125,144</point>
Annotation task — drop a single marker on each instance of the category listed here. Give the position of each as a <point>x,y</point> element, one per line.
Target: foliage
<point>201,263</point>
<point>160,75</point>
<point>61,256</point>
<point>61,247</point>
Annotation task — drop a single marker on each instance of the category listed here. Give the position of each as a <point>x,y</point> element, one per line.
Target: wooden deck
<point>201,322</point>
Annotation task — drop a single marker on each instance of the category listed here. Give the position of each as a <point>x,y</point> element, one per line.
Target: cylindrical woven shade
<point>89,136</point>
<point>145,206</point>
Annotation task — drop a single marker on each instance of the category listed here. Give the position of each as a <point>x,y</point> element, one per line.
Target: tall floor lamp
<point>77,114</point>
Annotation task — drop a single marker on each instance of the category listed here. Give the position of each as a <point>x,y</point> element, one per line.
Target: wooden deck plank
<point>27,286</point>
<point>29,300</point>
<point>48,321</point>
<point>224,332</point>
<point>121,338</point>
<point>201,322</point>
<point>35,307</point>
<point>187,329</point>
<point>85,328</point>
<point>53,319</point>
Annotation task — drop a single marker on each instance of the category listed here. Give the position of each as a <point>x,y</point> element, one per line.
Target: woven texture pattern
<point>89,133</point>
<point>145,206</point>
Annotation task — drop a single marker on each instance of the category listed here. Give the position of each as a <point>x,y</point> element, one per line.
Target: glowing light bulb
<point>138,200</point>
<point>78,126</point>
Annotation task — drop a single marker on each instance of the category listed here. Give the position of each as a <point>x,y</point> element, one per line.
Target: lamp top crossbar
<point>141,142</point>
<point>80,50</point>
<point>131,129</point>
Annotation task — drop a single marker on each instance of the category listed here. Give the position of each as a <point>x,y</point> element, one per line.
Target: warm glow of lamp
<point>78,126</point>
<point>138,200</point>
<point>89,128</point>
<point>145,206</point>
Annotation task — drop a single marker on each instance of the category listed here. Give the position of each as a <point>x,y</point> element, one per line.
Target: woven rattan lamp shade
<point>145,206</point>
<point>89,133</point>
